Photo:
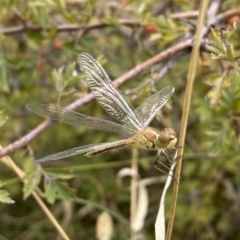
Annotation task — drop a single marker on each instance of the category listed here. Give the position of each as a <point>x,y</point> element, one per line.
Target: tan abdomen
<point>128,143</point>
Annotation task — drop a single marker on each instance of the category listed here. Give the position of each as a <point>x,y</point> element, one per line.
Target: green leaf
<point>69,72</point>
<point>3,119</point>
<point>32,180</point>
<point>228,30</point>
<point>55,189</point>
<point>217,82</point>
<point>111,21</point>
<point>50,190</point>
<point>236,55</point>
<point>61,5</point>
<point>2,184</point>
<point>221,48</point>
<point>4,197</point>
<point>4,75</point>
<point>57,75</point>
<point>217,37</point>
<point>60,173</point>
<point>230,52</point>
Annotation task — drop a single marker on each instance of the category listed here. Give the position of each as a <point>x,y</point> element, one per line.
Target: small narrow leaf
<point>111,21</point>
<point>2,184</point>
<point>50,190</point>
<point>59,173</point>
<point>32,180</point>
<point>55,189</point>
<point>230,52</point>
<point>217,38</point>
<point>69,72</point>
<point>4,197</point>
<point>217,82</point>
<point>221,48</point>
<point>228,30</point>
<point>236,55</point>
<point>64,192</point>
<point>57,75</point>
<point>3,120</point>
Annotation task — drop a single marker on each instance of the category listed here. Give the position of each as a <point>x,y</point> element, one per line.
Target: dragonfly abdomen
<point>127,143</point>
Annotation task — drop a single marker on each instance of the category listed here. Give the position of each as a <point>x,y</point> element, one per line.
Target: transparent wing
<point>73,151</point>
<point>107,95</point>
<point>75,118</point>
<point>151,105</point>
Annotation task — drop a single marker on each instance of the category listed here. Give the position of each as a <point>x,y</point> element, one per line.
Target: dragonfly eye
<point>163,139</point>
<point>167,138</point>
<point>171,131</point>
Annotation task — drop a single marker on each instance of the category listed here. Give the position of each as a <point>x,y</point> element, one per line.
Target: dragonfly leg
<point>172,161</point>
<point>175,159</point>
<point>157,161</point>
<point>159,169</point>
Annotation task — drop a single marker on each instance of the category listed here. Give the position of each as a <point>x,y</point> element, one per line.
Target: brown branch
<point>25,140</point>
<point>179,15</point>
<point>66,27</point>
<point>193,14</point>
<point>228,14</point>
<point>126,22</point>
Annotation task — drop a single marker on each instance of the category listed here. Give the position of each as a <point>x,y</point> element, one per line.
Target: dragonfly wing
<point>154,103</point>
<point>72,152</point>
<point>107,95</point>
<point>75,118</point>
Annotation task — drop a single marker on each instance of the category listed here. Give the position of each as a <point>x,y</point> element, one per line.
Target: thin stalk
<point>9,162</point>
<point>134,185</point>
<point>186,108</point>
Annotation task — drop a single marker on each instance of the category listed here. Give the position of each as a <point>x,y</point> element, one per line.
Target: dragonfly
<point>132,124</point>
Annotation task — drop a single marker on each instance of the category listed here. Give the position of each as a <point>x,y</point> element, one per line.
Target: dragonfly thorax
<point>151,138</point>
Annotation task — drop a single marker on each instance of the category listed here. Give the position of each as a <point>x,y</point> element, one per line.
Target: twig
<point>189,14</point>
<point>218,19</point>
<point>66,27</point>
<point>228,14</point>
<point>9,162</point>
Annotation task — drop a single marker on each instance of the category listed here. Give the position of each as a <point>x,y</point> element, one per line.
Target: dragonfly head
<point>167,138</point>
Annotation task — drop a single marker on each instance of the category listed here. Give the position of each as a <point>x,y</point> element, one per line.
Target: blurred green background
<point>39,45</point>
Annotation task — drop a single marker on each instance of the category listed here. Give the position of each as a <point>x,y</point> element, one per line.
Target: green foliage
<point>3,118</point>
<point>39,65</point>
<point>32,179</point>
<point>167,30</point>
<point>60,173</point>
<point>5,198</point>
<point>217,81</point>
<point>222,49</point>
<point>57,190</point>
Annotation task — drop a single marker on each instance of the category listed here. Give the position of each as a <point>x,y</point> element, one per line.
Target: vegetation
<point>143,47</point>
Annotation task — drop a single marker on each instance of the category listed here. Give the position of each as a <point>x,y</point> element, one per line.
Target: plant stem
<point>9,162</point>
